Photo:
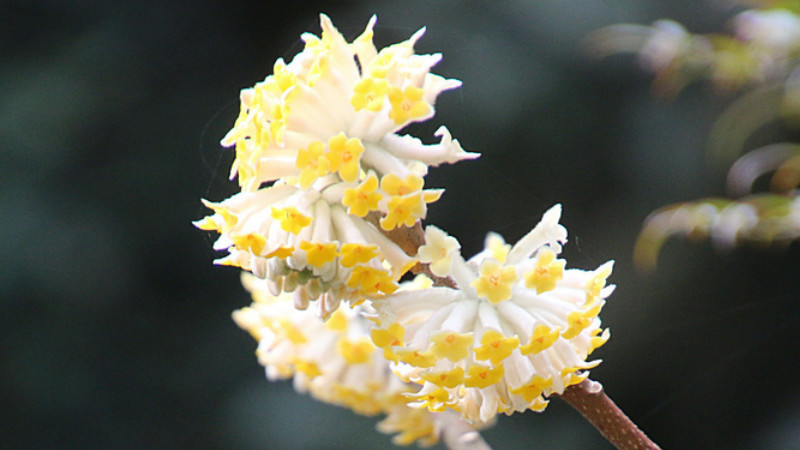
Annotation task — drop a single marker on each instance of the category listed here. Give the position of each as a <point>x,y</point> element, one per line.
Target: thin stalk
<point>591,401</point>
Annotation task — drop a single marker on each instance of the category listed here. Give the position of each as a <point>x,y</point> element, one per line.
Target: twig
<point>591,401</point>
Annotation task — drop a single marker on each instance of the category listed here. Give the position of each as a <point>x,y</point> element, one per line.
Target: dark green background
<point>115,328</point>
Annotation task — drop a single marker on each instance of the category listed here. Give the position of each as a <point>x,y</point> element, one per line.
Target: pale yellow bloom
<point>344,102</point>
<point>518,328</point>
<point>304,241</point>
<point>438,250</point>
<point>334,361</point>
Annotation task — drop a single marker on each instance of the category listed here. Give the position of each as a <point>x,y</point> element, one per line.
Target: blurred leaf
<point>783,158</point>
<point>764,219</point>
<point>689,219</point>
<point>787,177</point>
<point>744,117</point>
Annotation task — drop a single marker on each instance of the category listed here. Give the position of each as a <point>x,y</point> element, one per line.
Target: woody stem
<point>591,401</point>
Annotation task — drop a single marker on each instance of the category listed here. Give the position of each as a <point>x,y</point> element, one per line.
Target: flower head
<point>335,361</point>
<point>304,241</point>
<point>438,251</point>
<point>337,108</point>
<point>518,328</point>
<point>322,130</point>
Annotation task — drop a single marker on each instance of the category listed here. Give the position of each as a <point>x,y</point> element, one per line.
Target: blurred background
<point>115,328</point>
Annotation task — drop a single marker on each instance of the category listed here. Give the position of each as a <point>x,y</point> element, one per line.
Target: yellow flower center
<point>291,219</point>
<point>252,242</point>
<point>394,185</point>
<point>547,272</point>
<point>370,281</point>
<point>445,378</point>
<point>451,345</point>
<point>542,338</point>
<point>416,358</point>
<point>312,163</point>
<point>495,282</point>
<point>318,254</point>
<point>369,94</point>
<point>407,104</point>
<point>362,199</point>
<point>344,156</point>
<point>403,210</point>
<point>534,388</point>
<point>579,320</point>
<point>355,351</point>
<point>495,346</point>
<point>481,377</point>
<point>353,254</point>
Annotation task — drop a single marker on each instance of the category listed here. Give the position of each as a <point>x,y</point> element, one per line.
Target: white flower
<point>438,251</point>
<point>518,328</point>
<point>335,361</point>
<point>336,109</point>
<point>304,241</point>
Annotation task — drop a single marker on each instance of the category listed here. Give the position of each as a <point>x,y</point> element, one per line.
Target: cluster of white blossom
<point>324,177</point>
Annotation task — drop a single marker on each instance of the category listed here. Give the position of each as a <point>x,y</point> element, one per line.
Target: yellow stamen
<point>291,219</point>
<point>252,242</point>
<point>534,388</point>
<point>353,254</point>
<point>407,104</point>
<point>403,210</point>
<point>543,337</point>
<point>355,351</point>
<point>547,272</point>
<point>362,199</point>
<point>318,254</point>
<point>415,357</point>
<point>451,345</point>
<point>495,346</point>
<point>369,94</point>
<point>312,163</point>
<point>445,378</point>
<point>481,377</point>
<point>344,156</point>
<point>495,282</point>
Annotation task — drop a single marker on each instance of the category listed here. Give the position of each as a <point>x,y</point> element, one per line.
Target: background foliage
<point>115,328</point>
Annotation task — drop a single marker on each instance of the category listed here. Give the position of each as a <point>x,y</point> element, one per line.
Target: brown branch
<point>410,239</point>
<point>591,401</point>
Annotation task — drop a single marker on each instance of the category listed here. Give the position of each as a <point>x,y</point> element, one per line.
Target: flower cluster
<point>335,361</point>
<point>331,196</point>
<point>323,130</point>
<point>518,328</point>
